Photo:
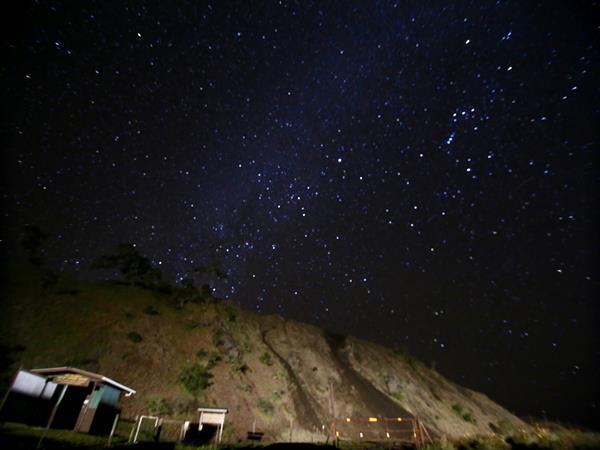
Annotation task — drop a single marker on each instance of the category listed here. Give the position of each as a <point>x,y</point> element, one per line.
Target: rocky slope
<point>287,379</point>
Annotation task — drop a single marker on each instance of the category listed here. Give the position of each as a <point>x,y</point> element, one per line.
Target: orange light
<point>399,419</point>
<point>372,419</point>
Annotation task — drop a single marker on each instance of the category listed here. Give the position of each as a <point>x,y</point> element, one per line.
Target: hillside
<point>289,377</point>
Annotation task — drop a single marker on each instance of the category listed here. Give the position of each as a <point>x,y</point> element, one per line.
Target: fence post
<point>112,430</point>
<point>137,431</point>
<point>62,394</point>
<point>132,429</point>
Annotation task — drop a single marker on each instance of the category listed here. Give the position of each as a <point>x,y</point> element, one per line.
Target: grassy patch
<point>208,359</point>
<point>403,353</point>
<point>16,436</point>
<point>457,408</point>
<point>238,364</point>
<point>213,359</point>
<point>265,406</point>
<point>195,378</point>
<point>467,416</point>
<point>134,336</point>
<point>552,437</point>
<point>158,405</point>
<point>502,427</point>
<point>398,395</point>
<point>230,313</point>
<point>266,359</point>
<point>245,387</point>
<point>541,439</point>
<point>201,354</point>
<point>151,310</point>
<point>218,337</point>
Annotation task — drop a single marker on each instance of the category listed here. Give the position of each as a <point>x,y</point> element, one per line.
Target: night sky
<point>421,174</point>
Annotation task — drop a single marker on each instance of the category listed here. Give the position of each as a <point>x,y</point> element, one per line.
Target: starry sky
<point>421,174</point>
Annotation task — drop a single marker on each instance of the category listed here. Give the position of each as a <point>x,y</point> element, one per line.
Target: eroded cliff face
<point>326,376</point>
<point>282,377</point>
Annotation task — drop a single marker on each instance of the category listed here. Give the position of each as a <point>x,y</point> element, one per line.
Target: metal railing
<point>386,430</point>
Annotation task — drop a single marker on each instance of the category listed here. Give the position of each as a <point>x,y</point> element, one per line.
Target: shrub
<point>398,395</point>
<point>194,325</point>
<point>245,387</point>
<point>482,443</point>
<point>195,378</point>
<point>403,353</point>
<point>213,359</point>
<point>503,427</point>
<point>468,417</point>
<point>231,313</point>
<point>440,444</point>
<point>158,405</point>
<point>188,292</point>
<point>151,310</point>
<point>218,337</point>
<point>555,437</point>
<point>134,336</point>
<point>265,406</point>
<point>238,364</point>
<point>458,409</point>
<point>209,360</point>
<point>265,358</point>
<point>185,406</point>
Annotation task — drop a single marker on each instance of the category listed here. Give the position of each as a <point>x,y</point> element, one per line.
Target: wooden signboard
<point>212,418</point>
<point>72,379</point>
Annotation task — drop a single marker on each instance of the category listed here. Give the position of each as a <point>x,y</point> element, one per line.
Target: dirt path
<point>305,412</point>
<point>377,402</point>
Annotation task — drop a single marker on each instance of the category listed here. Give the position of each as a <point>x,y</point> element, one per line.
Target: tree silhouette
<point>135,268</point>
<point>187,292</point>
<point>33,242</point>
<point>190,289</point>
<point>214,268</point>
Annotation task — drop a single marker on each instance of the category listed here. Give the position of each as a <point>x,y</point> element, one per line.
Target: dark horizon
<point>418,175</point>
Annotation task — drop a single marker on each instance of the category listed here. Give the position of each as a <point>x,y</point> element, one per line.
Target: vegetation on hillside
<point>17,436</point>
<point>180,348</point>
<point>542,437</point>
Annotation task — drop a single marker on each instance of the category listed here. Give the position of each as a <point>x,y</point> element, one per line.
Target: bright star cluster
<point>419,174</point>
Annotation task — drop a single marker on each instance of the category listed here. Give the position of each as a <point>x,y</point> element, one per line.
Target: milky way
<point>423,175</point>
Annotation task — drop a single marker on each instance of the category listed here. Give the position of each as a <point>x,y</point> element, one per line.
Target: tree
<point>214,268</point>
<point>135,268</point>
<point>33,242</point>
<point>187,292</point>
<point>190,292</point>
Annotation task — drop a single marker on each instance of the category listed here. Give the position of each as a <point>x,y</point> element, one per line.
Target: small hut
<point>213,418</point>
<point>209,427</point>
<point>64,397</point>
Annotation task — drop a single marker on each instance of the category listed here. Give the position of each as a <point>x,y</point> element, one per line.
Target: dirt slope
<point>287,378</point>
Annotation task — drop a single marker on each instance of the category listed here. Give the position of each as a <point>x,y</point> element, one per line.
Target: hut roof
<point>94,376</point>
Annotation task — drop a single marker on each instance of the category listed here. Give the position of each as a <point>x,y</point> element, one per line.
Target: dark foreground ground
<point>19,437</point>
